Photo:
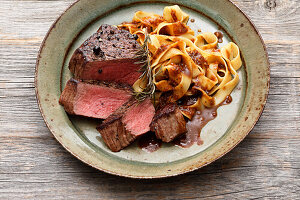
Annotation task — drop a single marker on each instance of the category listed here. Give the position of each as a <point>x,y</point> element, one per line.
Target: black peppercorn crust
<point>109,46</point>
<point>109,43</point>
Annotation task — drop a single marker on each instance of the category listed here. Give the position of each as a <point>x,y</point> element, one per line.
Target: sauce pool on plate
<point>195,126</point>
<point>150,143</point>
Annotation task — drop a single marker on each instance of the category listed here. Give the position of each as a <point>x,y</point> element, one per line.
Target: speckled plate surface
<point>79,136</point>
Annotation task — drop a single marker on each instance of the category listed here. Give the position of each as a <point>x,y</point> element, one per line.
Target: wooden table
<point>33,165</point>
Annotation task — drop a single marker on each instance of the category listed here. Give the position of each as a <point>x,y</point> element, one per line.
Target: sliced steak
<point>107,55</point>
<point>124,125</point>
<point>113,131</point>
<point>168,123</point>
<point>138,117</point>
<point>93,99</point>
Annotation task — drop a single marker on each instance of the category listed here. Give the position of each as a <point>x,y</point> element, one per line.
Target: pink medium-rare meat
<point>93,99</point>
<point>113,131</point>
<point>108,55</point>
<point>139,117</point>
<point>122,127</point>
<point>168,123</point>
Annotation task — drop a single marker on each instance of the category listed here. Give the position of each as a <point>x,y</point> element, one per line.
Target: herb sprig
<point>143,55</point>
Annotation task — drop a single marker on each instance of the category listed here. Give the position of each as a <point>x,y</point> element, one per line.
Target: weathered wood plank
<point>274,23</point>
<point>250,152</point>
<point>33,165</point>
<point>33,173</point>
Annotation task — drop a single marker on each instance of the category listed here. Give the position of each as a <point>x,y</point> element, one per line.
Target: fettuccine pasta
<point>185,65</point>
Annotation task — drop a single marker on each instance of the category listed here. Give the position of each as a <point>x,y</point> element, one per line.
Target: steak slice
<point>92,98</point>
<point>138,117</point>
<point>168,123</point>
<point>113,131</point>
<point>107,55</point>
<point>123,126</point>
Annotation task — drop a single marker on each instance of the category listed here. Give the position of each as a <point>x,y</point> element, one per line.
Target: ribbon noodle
<point>190,68</point>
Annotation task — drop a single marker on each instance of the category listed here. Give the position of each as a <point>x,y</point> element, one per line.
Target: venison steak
<point>168,123</point>
<point>108,55</point>
<point>123,126</point>
<point>92,98</point>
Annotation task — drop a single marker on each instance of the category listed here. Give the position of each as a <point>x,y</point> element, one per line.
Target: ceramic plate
<point>79,136</point>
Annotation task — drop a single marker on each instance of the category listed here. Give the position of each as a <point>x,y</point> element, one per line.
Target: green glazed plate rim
<point>251,111</point>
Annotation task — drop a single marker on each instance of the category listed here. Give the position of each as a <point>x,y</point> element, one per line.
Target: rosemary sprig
<point>143,57</point>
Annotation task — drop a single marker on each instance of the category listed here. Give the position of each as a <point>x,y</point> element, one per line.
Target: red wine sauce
<point>194,127</point>
<point>149,143</point>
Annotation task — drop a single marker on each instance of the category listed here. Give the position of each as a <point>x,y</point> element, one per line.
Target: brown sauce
<point>219,36</point>
<point>154,21</point>
<point>179,28</point>
<point>180,68</point>
<point>161,49</point>
<point>149,142</point>
<point>192,20</point>
<point>227,101</point>
<point>198,58</point>
<point>173,14</point>
<point>194,127</point>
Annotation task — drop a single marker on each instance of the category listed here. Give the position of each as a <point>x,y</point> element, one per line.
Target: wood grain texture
<point>266,165</point>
